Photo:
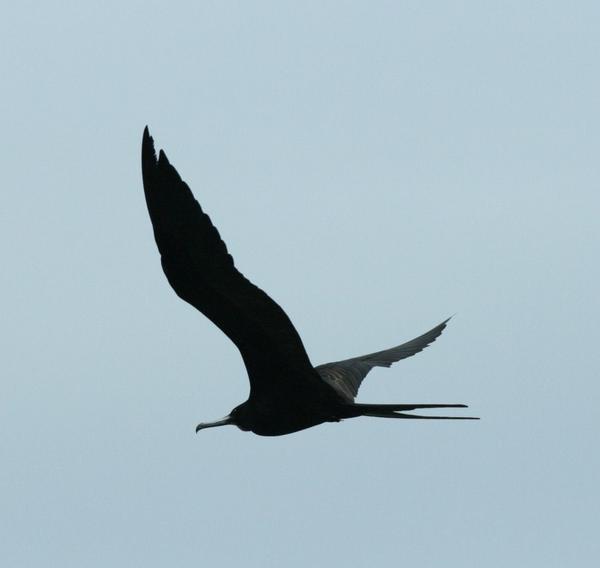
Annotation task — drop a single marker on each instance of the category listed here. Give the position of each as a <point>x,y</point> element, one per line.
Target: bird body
<point>275,416</point>
<point>287,393</point>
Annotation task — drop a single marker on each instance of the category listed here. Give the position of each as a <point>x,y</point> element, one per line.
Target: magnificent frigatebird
<point>287,393</point>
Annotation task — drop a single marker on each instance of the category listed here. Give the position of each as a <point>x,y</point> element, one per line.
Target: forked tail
<point>398,411</point>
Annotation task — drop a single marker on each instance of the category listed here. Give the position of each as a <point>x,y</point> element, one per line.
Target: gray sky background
<point>375,167</point>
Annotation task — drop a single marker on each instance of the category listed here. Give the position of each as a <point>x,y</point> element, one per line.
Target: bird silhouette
<point>287,393</point>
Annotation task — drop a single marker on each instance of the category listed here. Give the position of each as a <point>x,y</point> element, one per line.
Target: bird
<point>287,393</point>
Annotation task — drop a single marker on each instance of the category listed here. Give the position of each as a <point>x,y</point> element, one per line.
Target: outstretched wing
<point>202,272</point>
<point>346,376</point>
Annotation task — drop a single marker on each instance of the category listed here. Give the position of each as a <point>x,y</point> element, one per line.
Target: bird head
<point>235,417</point>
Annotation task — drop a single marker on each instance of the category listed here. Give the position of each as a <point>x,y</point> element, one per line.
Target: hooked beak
<point>222,422</point>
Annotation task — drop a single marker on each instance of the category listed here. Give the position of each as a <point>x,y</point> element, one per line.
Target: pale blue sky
<point>375,167</point>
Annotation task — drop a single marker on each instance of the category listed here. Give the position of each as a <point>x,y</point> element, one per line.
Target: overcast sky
<point>375,167</point>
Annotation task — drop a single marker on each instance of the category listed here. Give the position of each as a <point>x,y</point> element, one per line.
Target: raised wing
<point>202,272</point>
<point>346,376</point>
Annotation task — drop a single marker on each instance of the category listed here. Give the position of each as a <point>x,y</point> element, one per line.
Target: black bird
<point>287,393</point>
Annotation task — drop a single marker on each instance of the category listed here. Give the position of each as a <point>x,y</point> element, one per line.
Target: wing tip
<point>148,150</point>
<point>438,329</point>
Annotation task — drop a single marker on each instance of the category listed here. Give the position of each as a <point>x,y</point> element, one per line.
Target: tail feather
<point>398,411</point>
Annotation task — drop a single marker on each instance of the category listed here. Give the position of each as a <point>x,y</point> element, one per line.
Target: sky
<point>375,167</point>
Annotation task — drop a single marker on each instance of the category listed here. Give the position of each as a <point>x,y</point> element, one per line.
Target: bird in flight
<point>287,393</point>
